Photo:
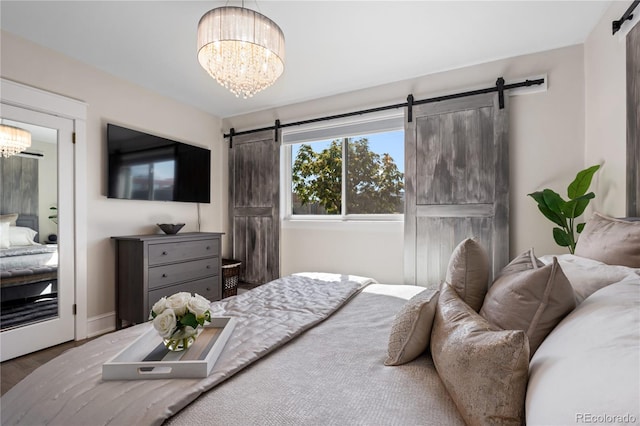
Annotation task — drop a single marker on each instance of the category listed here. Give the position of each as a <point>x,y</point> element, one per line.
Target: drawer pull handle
<point>207,248</point>
<point>208,266</point>
<point>208,289</point>
<point>164,253</point>
<point>164,275</point>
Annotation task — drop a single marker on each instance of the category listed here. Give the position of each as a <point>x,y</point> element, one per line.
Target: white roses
<point>179,313</point>
<point>198,305</point>
<point>165,323</point>
<point>178,302</point>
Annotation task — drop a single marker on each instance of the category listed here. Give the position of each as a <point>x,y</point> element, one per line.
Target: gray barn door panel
<point>633,122</point>
<point>254,201</point>
<point>456,181</point>
<point>19,189</point>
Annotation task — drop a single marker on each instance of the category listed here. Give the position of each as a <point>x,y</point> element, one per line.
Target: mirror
<point>29,243</point>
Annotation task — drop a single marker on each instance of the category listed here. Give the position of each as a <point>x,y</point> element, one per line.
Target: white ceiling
<point>332,46</point>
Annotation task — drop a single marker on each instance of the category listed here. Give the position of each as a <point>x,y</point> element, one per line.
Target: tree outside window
<point>373,180</point>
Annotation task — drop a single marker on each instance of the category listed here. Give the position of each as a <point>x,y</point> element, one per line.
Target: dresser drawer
<point>179,251</point>
<point>204,287</point>
<point>149,267</point>
<point>160,276</point>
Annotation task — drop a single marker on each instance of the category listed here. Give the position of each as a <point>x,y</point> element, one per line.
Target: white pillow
<point>588,366</point>
<point>22,236</point>
<point>4,235</point>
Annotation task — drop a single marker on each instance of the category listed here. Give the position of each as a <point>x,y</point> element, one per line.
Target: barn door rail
<point>499,87</point>
<point>626,16</point>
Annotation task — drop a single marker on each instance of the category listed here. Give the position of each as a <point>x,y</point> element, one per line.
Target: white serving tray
<point>147,358</point>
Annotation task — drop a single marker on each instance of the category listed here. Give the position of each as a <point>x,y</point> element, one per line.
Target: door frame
<point>31,98</point>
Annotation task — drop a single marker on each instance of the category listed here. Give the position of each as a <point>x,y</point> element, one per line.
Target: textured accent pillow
<point>485,370</point>
<point>611,241</point>
<point>529,296</point>
<point>11,218</point>
<point>411,329</point>
<point>468,272</point>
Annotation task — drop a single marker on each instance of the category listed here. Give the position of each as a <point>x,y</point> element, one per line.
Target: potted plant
<point>54,214</point>
<point>563,213</point>
<point>53,238</point>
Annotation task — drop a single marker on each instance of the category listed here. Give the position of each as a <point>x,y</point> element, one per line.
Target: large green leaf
<point>189,319</point>
<point>553,217</point>
<point>537,196</point>
<point>553,200</point>
<point>545,210</point>
<point>574,208</point>
<point>561,237</point>
<point>582,182</point>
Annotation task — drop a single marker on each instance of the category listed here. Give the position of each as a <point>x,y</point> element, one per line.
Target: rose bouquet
<point>177,318</point>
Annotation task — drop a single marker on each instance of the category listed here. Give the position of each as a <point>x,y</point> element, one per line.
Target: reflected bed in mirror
<point>28,274</point>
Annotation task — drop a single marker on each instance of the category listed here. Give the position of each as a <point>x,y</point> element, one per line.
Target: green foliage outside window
<point>374,184</point>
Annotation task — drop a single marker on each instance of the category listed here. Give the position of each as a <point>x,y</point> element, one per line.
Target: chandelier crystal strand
<point>13,140</point>
<point>241,49</point>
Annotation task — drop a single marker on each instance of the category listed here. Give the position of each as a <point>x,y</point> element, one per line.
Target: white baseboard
<point>101,324</point>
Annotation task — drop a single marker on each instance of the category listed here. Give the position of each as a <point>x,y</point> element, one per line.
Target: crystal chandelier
<point>13,140</point>
<point>240,48</point>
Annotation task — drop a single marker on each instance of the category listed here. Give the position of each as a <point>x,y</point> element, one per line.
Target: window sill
<point>394,223</point>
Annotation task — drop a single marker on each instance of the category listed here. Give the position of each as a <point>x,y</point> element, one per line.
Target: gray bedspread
<point>28,257</point>
<point>69,390</point>
<point>333,374</point>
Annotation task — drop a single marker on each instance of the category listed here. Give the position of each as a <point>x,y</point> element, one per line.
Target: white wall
<point>546,150</point>
<point>47,187</point>
<point>112,100</point>
<point>605,89</point>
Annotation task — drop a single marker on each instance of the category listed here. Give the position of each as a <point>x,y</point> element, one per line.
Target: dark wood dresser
<point>149,267</point>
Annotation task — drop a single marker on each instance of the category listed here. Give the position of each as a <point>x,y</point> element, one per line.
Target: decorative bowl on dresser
<point>149,267</point>
<point>170,228</point>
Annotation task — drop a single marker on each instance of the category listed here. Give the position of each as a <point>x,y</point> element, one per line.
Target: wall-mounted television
<point>146,167</point>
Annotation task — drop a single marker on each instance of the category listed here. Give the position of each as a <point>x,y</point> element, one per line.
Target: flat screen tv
<point>146,167</point>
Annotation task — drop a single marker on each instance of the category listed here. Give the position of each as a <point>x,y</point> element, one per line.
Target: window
<point>346,176</point>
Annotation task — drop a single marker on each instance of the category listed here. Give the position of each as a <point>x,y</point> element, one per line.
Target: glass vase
<point>181,340</point>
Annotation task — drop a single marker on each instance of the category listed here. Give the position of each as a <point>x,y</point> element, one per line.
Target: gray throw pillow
<point>529,296</point>
<point>611,241</point>
<point>468,272</point>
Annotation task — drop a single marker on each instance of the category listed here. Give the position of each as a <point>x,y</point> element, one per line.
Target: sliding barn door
<point>254,200</point>
<point>633,122</point>
<point>456,180</point>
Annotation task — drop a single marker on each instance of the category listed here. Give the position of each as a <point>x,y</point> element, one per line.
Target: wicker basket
<point>230,277</point>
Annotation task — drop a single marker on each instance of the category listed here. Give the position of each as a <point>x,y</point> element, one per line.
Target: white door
<point>42,331</point>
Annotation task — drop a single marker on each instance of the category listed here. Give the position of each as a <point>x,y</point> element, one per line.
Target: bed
<point>28,269</point>
<point>331,349</point>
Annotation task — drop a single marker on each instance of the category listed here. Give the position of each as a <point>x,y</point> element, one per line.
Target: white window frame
<point>378,123</point>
